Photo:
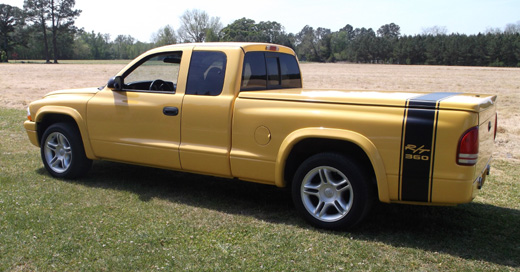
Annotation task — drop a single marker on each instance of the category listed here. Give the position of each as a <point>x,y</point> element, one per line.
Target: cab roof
<point>245,46</point>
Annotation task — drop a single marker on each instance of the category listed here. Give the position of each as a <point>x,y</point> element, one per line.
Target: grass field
<point>123,217</point>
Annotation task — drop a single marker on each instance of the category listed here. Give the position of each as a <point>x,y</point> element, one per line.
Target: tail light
<point>467,153</point>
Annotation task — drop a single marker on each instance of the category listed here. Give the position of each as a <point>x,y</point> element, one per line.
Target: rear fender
<point>335,134</point>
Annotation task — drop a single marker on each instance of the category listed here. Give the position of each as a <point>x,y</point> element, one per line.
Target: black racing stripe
<point>419,131</point>
<point>417,144</point>
<point>433,148</point>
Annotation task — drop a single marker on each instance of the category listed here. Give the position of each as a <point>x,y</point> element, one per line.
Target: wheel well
<point>309,147</point>
<point>50,119</point>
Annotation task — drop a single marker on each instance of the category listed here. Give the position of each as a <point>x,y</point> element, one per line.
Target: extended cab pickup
<point>238,110</point>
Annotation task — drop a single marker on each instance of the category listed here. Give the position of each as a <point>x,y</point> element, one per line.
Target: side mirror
<point>115,83</point>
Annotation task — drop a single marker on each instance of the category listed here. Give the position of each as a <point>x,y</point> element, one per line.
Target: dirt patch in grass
<point>22,83</point>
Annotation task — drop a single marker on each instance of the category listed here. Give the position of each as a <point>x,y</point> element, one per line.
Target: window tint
<point>206,74</point>
<point>156,73</point>
<point>290,71</point>
<point>269,70</point>
<point>254,71</point>
<point>273,72</point>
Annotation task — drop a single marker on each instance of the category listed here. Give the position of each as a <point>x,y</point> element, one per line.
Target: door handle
<point>170,111</point>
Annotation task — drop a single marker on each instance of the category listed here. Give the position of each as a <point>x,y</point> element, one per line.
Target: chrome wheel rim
<point>327,194</point>
<point>57,152</point>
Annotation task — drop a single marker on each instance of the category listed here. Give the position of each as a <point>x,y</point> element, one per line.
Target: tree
<point>122,46</point>
<point>323,35</point>
<point>363,45</point>
<point>10,17</point>
<point>341,42</point>
<point>512,28</point>
<point>92,46</point>
<point>64,42</point>
<point>247,30</point>
<point>272,32</point>
<point>62,15</point>
<point>387,37</point>
<point>435,46</point>
<point>81,49</point>
<point>435,31</point>
<point>37,12</point>
<point>165,36</point>
<point>138,48</point>
<point>196,26</point>
<point>307,44</point>
<point>389,31</point>
<point>241,30</point>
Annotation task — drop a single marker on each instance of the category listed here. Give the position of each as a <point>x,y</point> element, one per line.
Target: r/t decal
<point>416,149</point>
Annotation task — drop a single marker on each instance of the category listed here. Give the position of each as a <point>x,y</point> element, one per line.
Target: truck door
<point>140,123</point>
<point>207,115</point>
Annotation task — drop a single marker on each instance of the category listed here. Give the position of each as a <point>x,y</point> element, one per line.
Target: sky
<point>140,19</point>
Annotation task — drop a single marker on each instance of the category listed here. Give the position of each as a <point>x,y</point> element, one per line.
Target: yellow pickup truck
<point>239,110</point>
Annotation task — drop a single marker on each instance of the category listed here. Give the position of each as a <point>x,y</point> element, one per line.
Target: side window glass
<point>290,72</point>
<point>206,74</point>
<point>270,70</point>
<point>254,75</point>
<point>273,72</point>
<point>157,73</point>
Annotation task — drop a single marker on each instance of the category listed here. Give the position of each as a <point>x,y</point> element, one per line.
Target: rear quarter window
<point>206,74</point>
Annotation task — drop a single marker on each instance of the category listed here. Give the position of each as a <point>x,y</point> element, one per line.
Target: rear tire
<point>62,152</point>
<point>332,191</point>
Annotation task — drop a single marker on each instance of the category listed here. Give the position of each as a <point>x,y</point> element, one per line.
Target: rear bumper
<point>30,128</point>
<point>455,191</point>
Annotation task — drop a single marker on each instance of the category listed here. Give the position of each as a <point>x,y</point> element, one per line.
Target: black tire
<point>62,152</point>
<point>332,191</point>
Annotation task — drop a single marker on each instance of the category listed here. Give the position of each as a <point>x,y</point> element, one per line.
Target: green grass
<point>123,217</point>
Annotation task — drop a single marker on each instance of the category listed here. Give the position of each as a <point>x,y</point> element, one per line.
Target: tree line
<point>44,29</point>
<point>387,45</point>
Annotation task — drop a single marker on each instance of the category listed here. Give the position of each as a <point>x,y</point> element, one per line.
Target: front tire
<point>62,152</point>
<point>332,191</point>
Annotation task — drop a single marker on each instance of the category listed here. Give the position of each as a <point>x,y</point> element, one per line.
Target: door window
<point>157,73</point>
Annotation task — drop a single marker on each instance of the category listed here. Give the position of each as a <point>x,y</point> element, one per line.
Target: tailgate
<point>486,133</point>
<point>485,106</point>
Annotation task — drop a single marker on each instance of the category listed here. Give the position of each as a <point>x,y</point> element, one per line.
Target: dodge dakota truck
<point>239,110</point>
